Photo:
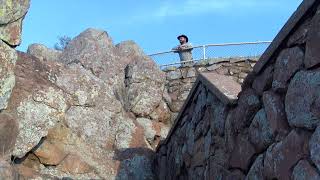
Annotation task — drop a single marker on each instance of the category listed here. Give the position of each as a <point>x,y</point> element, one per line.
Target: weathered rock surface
<point>43,53</point>
<point>288,63</point>
<point>263,81</point>
<point>260,132</point>
<point>11,16</point>
<point>303,170</point>
<point>313,37</point>
<point>144,86</point>
<point>70,114</point>
<point>303,100</point>
<point>314,148</point>
<point>8,134</point>
<point>256,171</point>
<point>8,58</point>
<point>281,157</point>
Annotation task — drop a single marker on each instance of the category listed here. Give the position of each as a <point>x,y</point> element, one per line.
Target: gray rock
<point>288,63</point>
<point>129,48</point>
<point>312,46</point>
<point>315,148</point>
<point>303,100</point>
<point>282,157</point>
<point>43,53</point>
<point>260,132</point>
<point>13,10</point>
<point>275,111</point>
<point>263,81</point>
<point>12,14</point>
<point>191,73</point>
<point>214,67</point>
<point>172,75</point>
<point>256,171</point>
<point>304,171</point>
<point>129,169</point>
<point>144,89</point>
<point>7,79</point>
<point>242,153</point>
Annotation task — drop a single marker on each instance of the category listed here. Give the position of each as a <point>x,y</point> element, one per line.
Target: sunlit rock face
<point>12,13</point>
<point>92,101</point>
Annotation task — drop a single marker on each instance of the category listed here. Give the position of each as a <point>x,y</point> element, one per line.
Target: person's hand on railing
<point>183,47</point>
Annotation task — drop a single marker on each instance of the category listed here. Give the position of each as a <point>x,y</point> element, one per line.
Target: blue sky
<point>154,25</point>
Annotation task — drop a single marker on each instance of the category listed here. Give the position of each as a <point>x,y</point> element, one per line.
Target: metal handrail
<point>221,44</point>
<point>205,53</point>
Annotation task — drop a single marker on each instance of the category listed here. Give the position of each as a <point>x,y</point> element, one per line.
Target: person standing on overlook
<point>184,49</point>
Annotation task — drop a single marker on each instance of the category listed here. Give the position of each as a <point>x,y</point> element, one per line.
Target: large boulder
<point>8,58</point>
<point>36,102</point>
<point>43,53</point>
<point>303,100</point>
<point>84,106</point>
<point>11,16</point>
<point>144,85</point>
<point>283,156</point>
<point>94,50</point>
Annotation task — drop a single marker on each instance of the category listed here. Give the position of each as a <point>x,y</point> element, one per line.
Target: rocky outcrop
<point>272,130</point>
<point>92,102</point>
<point>11,17</point>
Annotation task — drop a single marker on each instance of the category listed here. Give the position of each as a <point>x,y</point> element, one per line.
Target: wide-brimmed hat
<point>182,35</point>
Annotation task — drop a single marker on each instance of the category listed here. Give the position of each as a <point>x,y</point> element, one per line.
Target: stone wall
<point>179,80</point>
<point>273,130</point>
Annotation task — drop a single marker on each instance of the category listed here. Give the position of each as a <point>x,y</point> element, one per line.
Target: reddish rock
<point>315,148</point>
<point>303,100</point>
<point>223,87</point>
<point>281,157</point>
<point>312,47</point>
<point>242,153</point>
<point>49,154</point>
<point>288,63</point>
<point>304,171</point>
<point>26,172</point>
<point>263,81</point>
<point>248,106</point>
<point>161,113</point>
<point>73,164</point>
<point>8,134</point>
<point>275,111</point>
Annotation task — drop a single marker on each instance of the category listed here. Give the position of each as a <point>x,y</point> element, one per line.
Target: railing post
<point>204,52</point>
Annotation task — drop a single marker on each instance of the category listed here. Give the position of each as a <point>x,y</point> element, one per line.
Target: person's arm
<point>186,47</point>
